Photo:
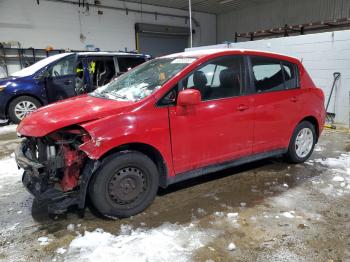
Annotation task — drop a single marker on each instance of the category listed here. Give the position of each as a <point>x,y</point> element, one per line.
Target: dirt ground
<point>286,212</point>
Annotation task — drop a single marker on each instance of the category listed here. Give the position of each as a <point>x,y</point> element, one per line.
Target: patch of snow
<point>338,179</point>
<point>169,242</point>
<point>318,148</point>
<point>70,227</point>
<point>8,129</point>
<point>243,204</point>
<point>43,241</point>
<point>125,229</point>
<point>285,185</point>
<point>201,211</point>
<point>61,250</point>
<point>289,214</point>
<point>342,163</point>
<point>13,227</point>
<point>219,214</point>
<point>232,215</point>
<point>9,171</point>
<point>231,247</point>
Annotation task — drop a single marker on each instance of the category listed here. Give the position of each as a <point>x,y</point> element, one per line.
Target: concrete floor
<point>286,212</point>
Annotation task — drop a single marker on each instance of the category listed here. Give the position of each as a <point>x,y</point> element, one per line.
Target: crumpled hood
<point>68,112</point>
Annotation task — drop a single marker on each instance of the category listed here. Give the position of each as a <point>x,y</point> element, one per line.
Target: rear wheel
<point>302,142</point>
<point>125,185</point>
<point>22,106</point>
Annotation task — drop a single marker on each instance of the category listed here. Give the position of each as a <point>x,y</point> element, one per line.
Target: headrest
<point>228,77</point>
<point>199,79</point>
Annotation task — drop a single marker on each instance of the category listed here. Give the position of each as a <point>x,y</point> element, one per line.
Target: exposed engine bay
<point>53,166</point>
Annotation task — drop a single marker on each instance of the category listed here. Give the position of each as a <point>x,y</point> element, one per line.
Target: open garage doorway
<point>158,40</point>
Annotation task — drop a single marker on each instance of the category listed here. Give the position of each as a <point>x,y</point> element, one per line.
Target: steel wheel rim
<point>127,185</point>
<point>23,108</point>
<point>304,142</point>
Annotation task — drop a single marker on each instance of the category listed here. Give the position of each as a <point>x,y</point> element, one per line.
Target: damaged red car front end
<point>52,166</point>
<point>56,169</point>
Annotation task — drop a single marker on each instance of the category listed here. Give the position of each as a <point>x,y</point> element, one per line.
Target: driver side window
<point>63,67</point>
<point>221,78</point>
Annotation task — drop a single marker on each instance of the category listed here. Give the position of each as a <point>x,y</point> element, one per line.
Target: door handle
<point>67,82</point>
<point>294,99</point>
<point>242,107</point>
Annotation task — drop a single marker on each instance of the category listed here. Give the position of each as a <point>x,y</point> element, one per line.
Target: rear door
<point>218,129</point>
<point>60,83</point>
<point>277,104</point>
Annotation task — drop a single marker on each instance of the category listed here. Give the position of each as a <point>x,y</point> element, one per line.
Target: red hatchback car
<point>173,118</point>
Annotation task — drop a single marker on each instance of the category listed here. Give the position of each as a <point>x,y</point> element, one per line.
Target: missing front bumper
<point>36,181</point>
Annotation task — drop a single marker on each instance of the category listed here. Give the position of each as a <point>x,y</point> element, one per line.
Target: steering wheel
<point>56,73</point>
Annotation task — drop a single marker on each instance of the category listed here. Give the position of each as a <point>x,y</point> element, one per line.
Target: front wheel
<point>22,106</point>
<point>125,185</point>
<point>302,142</point>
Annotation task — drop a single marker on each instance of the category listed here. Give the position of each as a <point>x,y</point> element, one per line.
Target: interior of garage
<point>266,210</point>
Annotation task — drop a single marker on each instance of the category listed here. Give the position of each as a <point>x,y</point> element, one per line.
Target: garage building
<point>113,148</point>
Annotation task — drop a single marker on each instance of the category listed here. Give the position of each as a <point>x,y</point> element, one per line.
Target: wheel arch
<point>149,151</point>
<point>313,120</point>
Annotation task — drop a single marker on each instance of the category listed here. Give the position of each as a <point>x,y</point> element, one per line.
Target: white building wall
<point>322,54</point>
<point>60,24</point>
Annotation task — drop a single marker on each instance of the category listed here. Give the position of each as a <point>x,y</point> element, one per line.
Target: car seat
<point>200,83</point>
<point>229,83</point>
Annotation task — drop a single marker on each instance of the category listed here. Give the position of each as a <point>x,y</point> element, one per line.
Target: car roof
<point>97,53</point>
<point>227,51</point>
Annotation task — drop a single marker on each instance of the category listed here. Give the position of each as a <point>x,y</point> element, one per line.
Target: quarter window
<point>272,74</point>
<point>127,63</point>
<point>220,78</point>
<point>290,75</point>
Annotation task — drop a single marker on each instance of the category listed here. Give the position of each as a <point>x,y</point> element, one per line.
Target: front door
<point>60,83</point>
<point>220,128</point>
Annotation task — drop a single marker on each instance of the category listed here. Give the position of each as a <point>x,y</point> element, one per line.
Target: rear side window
<point>127,63</point>
<point>273,75</point>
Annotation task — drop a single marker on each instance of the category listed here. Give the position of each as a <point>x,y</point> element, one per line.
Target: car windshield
<point>143,80</point>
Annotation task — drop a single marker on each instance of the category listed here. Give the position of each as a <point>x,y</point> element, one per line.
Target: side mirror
<point>189,97</point>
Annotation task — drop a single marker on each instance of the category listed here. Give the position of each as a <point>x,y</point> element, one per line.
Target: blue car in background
<point>59,77</point>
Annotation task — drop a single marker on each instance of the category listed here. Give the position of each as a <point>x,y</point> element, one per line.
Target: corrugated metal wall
<point>277,13</point>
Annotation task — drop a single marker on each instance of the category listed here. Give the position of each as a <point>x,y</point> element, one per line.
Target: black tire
<point>11,109</point>
<point>292,154</point>
<point>130,171</point>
